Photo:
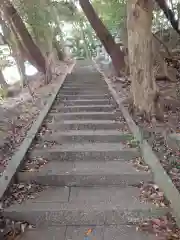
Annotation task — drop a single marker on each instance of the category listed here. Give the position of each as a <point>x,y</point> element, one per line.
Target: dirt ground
<point>18,113</point>
<point>157,132</point>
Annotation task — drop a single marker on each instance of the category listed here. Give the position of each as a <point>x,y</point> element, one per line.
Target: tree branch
<point>169,14</point>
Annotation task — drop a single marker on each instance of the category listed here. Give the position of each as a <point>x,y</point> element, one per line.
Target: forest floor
<point>18,113</point>
<point>157,132</point>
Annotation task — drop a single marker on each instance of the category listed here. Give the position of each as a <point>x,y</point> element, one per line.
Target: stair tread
<point>84,147</point>
<point>100,206</point>
<point>89,133</point>
<point>87,122</point>
<point>112,197</point>
<point>87,168</point>
<point>85,106</point>
<point>82,113</point>
<point>127,232</point>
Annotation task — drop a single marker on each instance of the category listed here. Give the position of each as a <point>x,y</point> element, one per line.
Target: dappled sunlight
<point>12,75</point>
<point>90,119</point>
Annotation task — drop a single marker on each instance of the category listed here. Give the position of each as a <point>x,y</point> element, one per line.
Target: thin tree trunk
<point>169,15</point>
<point>3,82</point>
<point>104,35</point>
<point>143,86</point>
<point>21,68</point>
<point>26,38</point>
<point>60,53</point>
<point>85,44</point>
<point>178,10</point>
<point>58,29</point>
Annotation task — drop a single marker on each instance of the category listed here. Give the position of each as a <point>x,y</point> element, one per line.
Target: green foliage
<point>112,12</point>
<point>3,93</point>
<point>5,59</point>
<point>43,19</point>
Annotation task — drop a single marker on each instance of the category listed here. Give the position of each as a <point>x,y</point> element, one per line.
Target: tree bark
<point>3,82</point>
<point>85,44</point>
<point>16,48</point>
<point>59,51</point>
<point>169,15</point>
<point>27,41</point>
<point>104,35</point>
<point>143,86</point>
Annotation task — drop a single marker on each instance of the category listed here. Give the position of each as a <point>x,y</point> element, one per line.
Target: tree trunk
<point>178,10</point>
<point>143,87</point>
<point>59,51</point>
<point>16,48</point>
<point>169,15</point>
<point>104,35</point>
<point>21,68</point>
<point>26,38</point>
<point>3,82</point>
<point>85,44</point>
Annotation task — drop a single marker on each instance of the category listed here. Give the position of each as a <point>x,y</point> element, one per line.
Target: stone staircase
<point>92,184</point>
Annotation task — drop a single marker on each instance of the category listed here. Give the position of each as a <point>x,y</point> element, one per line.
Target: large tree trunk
<point>104,35</point>
<point>26,38</point>
<point>16,48</point>
<point>139,22</point>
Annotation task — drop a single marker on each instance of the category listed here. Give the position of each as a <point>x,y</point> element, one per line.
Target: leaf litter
<point>11,230</point>
<point>22,191</point>
<point>165,227</point>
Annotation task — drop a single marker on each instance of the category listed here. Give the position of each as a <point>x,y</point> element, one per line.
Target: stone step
<point>85,85</point>
<point>85,108</point>
<point>85,206</point>
<point>85,125</point>
<point>91,173</point>
<point>83,92</point>
<point>82,102</point>
<point>85,152</point>
<point>87,136</point>
<point>92,87</point>
<point>82,116</point>
<point>84,96</point>
<point>120,232</point>
<point>85,81</point>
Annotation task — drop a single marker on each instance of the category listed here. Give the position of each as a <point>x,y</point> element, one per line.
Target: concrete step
<point>83,92</point>
<point>82,116</point>
<point>85,125</point>
<point>84,96</point>
<point>92,87</point>
<point>86,152</point>
<point>120,232</point>
<point>91,173</point>
<point>87,136</point>
<point>85,206</point>
<point>97,84</point>
<point>85,108</point>
<point>85,81</point>
<point>82,102</point>
<point>50,233</point>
